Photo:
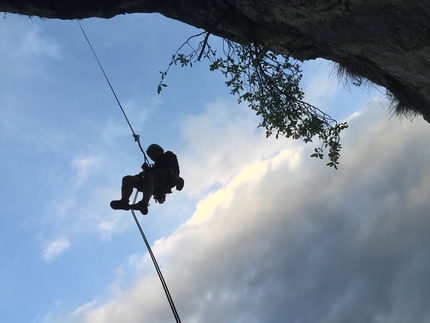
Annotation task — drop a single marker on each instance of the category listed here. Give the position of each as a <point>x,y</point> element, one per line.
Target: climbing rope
<point>135,136</point>
<point>157,268</point>
<point>137,139</point>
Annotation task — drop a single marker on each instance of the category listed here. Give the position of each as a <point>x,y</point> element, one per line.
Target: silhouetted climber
<point>157,180</point>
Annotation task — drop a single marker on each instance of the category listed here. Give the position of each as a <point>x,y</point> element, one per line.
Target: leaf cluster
<point>270,84</point>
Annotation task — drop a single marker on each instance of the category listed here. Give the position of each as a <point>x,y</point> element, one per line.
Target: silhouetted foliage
<point>270,84</point>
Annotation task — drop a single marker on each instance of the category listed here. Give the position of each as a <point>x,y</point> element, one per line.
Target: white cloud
<point>55,248</point>
<point>138,112</point>
<point>23,48</point>
<point>319,85</point>
<point>83,167</point>
<point>114,129</point>
<point>106,229</point>
<point>61,209</point>
<point>222,141</point>
<point>300,242</point>
<point>35,44</point>
<point>20,38</point>
<point>108,225</point>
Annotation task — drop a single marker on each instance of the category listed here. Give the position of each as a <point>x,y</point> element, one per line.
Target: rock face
<point>385,41</point>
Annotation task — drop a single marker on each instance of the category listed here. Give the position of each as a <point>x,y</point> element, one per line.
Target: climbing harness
<point>137,139</point>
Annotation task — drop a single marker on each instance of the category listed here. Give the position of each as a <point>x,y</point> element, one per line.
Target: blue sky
<point>260,233</point>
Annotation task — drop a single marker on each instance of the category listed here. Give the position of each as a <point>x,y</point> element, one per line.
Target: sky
<point>261,233</point>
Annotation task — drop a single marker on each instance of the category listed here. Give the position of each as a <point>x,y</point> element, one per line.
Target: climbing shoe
<point>141,206</point>
<point>120,205</point>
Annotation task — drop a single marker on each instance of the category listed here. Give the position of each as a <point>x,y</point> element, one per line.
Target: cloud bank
<point>288,239</point>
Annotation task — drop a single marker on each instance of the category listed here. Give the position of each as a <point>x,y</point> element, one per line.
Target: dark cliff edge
<point>384,41</point>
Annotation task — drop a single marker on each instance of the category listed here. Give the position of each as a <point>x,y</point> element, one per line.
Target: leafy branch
<point>269,83</point>
<point>182,59</point>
